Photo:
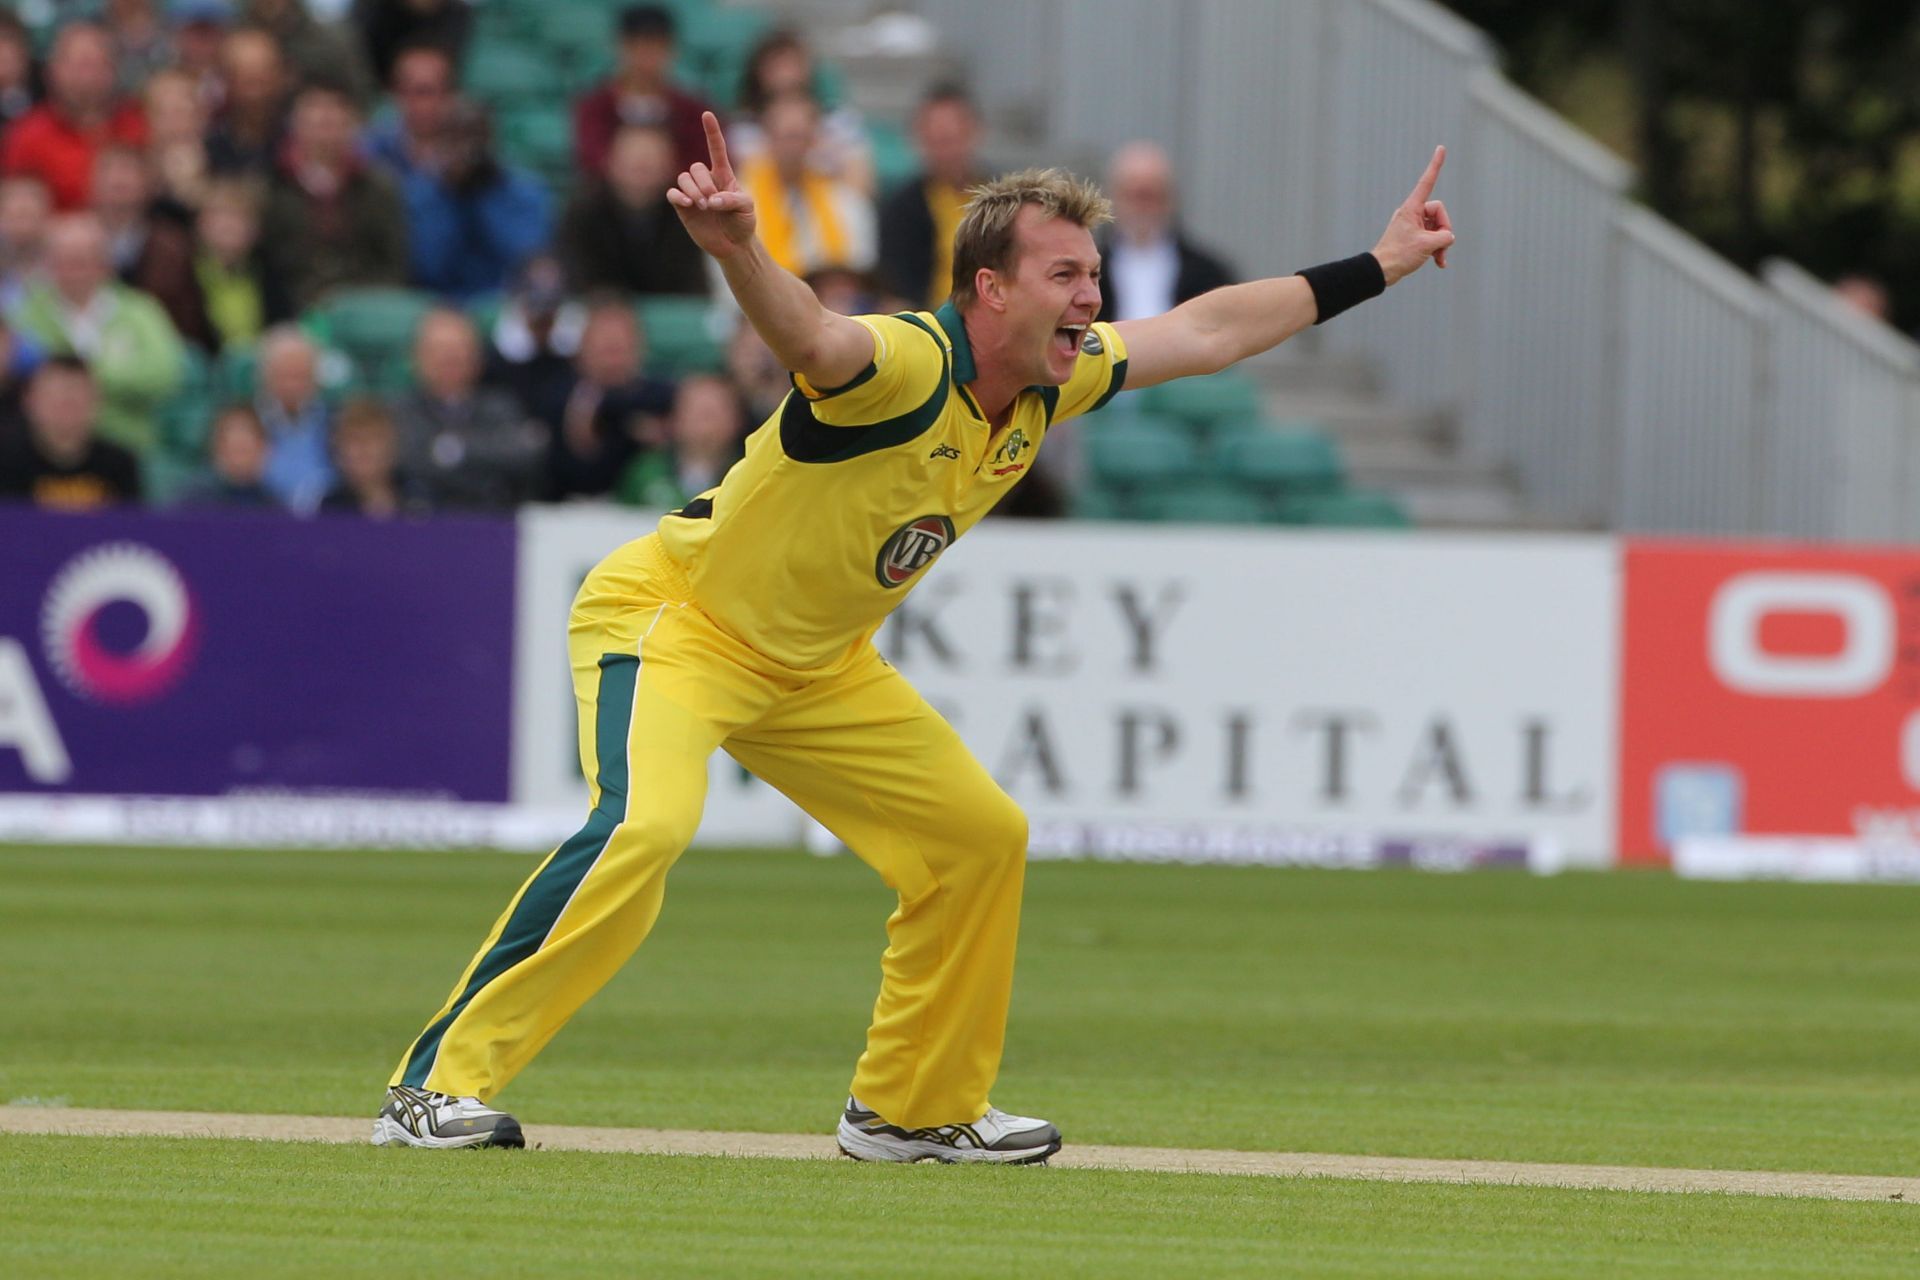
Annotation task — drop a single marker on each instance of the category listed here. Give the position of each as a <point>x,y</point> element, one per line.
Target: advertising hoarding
<point>216,655</point>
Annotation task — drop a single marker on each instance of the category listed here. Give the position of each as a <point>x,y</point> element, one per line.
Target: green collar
<point>963,368</point>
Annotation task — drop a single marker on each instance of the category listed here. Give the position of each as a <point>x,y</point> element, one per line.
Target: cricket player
<point>747,621</point>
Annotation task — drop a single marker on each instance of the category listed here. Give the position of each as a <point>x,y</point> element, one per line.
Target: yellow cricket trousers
<point>660,686</point>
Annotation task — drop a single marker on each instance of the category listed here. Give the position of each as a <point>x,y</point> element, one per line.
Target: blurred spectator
<point>610,412</point>
<point>239,300</point>
<point>59,462</point>
<point>389,27</point>
<point>57,140</point>
<point>474,221</point>
<point>142,43</point>
<point>640,91</point>
<point>176,141</point>
<point>237,450</point>
<point>423,93</point>
<point>366,449</point>
<point>287,400</point>
<point>780,65</point>
<point>620,233</point>
<point>808,220</point>
<point>1866,295</point>
<point>917,222</point>
<point>19,78</point>
<point>757,373</point>
<point>849,292</point>
<point>127,341</point>
<point>19,357</point>
<point>153,254</point>
<point>252,122</point>
<point>25,212</point>
<point>536,337</point>
<point>314,52</point>
<point>469,445</point>
<point>199,31</point>
<point>330,220</point>
<point>1148,265</point>
<point>704,434</point>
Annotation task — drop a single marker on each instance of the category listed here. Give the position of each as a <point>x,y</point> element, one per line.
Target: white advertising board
<point>1209,694</point>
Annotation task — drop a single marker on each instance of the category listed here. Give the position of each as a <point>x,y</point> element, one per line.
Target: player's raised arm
<point>1225,326</point>
<point>824,348</point>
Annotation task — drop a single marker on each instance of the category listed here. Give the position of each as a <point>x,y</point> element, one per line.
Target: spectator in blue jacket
<point>475,221</point>
<point>297,419</point>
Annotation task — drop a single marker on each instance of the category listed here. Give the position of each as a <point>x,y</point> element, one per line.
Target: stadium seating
<point>1282,460</point>
<point>1205,402</point>
<point>503,75</point>
<point>374,329</point>
<point>680,335</point>
<point>894,159</point>
<point>1353,509</point>
<point>1133,458</point>
<point>1205,501</point>
<point>539,137</point>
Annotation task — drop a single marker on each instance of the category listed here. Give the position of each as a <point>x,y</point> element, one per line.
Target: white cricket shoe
<point>419,1118</point>
<point>995,1138</point>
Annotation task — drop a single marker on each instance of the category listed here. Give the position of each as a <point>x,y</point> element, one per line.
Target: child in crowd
<point>705,431</point>
<point>237,458</point>
<point>366,453</point>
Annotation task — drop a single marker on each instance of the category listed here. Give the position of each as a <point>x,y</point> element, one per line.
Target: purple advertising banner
<point>205,655</point>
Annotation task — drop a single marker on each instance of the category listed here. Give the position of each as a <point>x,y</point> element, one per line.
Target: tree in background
<point>1790,127</point>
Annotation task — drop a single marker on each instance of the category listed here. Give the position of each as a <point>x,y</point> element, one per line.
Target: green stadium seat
<point>1290,460</point>
<point>504,74</point>
<point>680,335</point>
<point>710,32</point>
<point>1094,503</point>
<point>235,372</point>
<point>1351,509</point>
<point>895,161</point>
<point>1205,401</point>
<point>373,328</point>
<point>1135,453</point>
<point>576,27</point>
<point>485,311</point>
<point>1202,502</point>
<point>182,420</point>
<point>539,138</point>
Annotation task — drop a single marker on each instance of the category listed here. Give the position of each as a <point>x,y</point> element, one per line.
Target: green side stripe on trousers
<point>553,884</point>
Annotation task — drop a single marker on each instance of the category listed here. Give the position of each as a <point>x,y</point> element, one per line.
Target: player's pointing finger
<point>717,150</point>
<point>1424,188</point>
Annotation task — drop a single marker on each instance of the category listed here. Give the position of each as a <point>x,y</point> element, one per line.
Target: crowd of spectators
<point>185,183</point>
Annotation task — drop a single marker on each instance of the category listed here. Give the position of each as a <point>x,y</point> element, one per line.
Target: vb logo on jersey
<point>1009,453</point>
<point>913,546</point>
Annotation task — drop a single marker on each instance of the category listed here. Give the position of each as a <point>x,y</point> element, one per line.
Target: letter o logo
<point>1865,613</point>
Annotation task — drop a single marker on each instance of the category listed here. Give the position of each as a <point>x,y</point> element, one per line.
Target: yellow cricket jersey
<point>846,494</point>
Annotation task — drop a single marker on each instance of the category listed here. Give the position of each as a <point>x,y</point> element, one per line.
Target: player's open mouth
<point>1067,338</point>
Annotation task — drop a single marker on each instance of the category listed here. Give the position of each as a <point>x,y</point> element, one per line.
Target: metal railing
<point>1620,372</point>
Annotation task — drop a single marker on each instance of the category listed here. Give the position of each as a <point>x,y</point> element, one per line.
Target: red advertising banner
<point>1768,691</point>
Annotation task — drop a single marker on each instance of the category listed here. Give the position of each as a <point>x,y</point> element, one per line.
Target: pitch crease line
<point>76,1121</point>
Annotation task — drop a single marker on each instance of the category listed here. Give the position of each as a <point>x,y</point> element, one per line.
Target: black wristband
<point>1347,283</point>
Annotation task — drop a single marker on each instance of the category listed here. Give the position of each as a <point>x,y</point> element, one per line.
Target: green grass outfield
<point>1625,1019</point>
<point>94,1206</point>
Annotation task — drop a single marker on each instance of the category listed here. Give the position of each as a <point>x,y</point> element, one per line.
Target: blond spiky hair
<point>985,235</point>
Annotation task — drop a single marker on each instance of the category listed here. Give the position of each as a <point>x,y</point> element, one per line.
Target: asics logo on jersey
<point>911,548</point>
<point>944,451</point>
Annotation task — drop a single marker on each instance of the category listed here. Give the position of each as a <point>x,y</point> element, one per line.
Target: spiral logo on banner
<point>86,611</point>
